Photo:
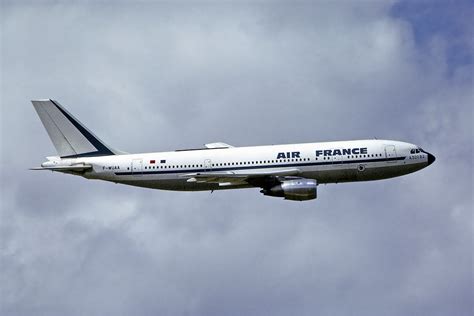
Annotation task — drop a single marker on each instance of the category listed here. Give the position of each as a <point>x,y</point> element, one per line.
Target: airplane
<point>291,171</point>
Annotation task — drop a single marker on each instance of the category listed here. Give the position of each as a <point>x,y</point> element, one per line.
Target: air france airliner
<point>291,171</point>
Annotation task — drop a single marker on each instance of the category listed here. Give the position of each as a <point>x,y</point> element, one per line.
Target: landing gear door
<point>137,167</point>
<point>390,153</point>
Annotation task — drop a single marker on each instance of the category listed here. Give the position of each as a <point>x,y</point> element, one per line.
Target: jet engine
<point>299,189</point>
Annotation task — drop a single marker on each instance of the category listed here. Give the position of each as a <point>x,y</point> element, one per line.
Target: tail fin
<point>69,136</point>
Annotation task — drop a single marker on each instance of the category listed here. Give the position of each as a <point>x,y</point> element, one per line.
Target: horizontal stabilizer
<point>76,167</point>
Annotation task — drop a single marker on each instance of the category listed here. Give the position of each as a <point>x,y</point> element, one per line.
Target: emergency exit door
<point>207,165</point>
<point>390,153</point>
<point>137,167</point>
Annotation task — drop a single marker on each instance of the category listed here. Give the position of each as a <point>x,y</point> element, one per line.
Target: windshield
<point>416,150</point>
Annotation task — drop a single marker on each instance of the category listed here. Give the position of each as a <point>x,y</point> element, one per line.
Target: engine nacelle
<point>296,190</point>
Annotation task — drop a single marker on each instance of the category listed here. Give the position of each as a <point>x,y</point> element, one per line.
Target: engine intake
<point>296,190</point>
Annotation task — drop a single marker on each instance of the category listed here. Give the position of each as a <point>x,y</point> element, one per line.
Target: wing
<point>256,178</point>
<point>218,145</point>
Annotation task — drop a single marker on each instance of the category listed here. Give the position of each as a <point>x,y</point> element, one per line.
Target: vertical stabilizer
<point>69,136</point>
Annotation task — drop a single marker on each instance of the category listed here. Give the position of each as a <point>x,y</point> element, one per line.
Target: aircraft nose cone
<point>431,159</point>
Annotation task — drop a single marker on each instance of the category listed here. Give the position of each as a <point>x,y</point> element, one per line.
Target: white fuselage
<point>328,162</point>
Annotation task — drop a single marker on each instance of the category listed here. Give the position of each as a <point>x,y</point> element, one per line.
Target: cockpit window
<point>416,151</point>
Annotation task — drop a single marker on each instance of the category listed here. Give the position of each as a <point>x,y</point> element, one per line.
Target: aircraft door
<point>137,167</point>
<point>390,153</point>
<point>207,165</point>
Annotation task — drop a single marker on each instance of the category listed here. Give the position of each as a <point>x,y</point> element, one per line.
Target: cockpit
<point>417,155</point>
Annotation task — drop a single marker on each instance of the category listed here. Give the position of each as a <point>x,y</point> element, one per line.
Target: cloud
<point>150,77</point>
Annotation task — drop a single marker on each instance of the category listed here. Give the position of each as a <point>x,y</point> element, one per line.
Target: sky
<point>151,76</point>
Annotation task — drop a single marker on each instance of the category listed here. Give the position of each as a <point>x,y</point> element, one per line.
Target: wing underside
<point>256,178</point>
